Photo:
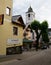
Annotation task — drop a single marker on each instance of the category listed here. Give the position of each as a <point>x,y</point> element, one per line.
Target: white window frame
<point>7,10</point>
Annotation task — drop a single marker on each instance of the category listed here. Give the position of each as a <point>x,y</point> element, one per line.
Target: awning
<point>27,41</point>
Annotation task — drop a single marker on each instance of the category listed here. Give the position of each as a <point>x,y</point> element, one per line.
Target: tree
<point>44,25</point>
<point>35,25</point>
<point>44,29</point>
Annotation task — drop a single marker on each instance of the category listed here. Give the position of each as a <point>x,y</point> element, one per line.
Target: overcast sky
<point>42,9</point>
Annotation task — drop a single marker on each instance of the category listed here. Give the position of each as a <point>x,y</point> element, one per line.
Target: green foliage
<point>44,25</point>
<point>35,25</point>
<point>45,36</point>
<point>44,29</point>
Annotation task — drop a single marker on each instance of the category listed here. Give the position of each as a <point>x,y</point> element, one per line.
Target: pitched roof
<point>17,19</point>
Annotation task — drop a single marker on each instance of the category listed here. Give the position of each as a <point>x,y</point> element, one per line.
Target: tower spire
<point>30,9</point>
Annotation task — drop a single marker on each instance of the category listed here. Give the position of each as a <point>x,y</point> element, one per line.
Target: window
<point>28,15</point>
<point>1,19</point>
<point>8,11</point>
<point>15,31</point>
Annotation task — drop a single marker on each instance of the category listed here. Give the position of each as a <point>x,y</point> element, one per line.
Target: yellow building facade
<point>7,37</point>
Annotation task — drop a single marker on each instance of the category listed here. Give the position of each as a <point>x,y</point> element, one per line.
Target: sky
<point>42,9</point>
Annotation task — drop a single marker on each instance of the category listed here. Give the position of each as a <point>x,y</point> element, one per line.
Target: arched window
<point>28,15</point>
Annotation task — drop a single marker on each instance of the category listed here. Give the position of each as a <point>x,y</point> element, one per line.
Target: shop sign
<point>14,41</point>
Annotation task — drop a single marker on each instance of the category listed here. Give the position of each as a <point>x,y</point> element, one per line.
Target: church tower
<point>30,15</point>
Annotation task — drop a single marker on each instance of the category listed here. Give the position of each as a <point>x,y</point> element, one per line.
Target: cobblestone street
<point>31,58</point>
